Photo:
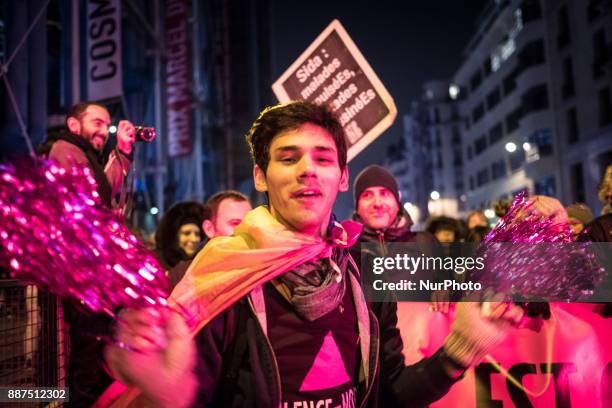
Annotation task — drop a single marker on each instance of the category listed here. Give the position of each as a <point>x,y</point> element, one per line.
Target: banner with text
<point>564,361</point>
<point>178,84</point>
<point>104,69</point>
<point>332,71</point>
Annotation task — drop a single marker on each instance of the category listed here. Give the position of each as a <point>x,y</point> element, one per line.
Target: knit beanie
<point>580,212</point>
<point>375,176</point>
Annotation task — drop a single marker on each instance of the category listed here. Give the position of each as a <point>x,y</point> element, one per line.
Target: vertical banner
<point>104,71</point>
<point>178,84</point>
<point>333,72</point>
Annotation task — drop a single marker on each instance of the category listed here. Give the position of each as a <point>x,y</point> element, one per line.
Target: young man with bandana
<point>275,316</point>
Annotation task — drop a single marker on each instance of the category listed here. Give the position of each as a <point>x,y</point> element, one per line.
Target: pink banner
<point>564,362</point>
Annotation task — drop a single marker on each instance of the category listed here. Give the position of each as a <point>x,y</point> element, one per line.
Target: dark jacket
<point>399,232</point>
<point>87,377</point>
<point>377,245</point>
<point>598,230</point>
<point>68,149</point>
<point>237,366</point>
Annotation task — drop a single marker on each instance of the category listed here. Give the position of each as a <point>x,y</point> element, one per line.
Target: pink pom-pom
<point>531,255</point>
<point>55,233</point>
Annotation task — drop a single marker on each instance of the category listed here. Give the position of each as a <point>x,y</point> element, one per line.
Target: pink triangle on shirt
<point>327,370</point>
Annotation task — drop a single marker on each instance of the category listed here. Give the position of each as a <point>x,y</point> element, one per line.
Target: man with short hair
<point>301,334</point>
<point>87,126</point>
<point>227,209</point>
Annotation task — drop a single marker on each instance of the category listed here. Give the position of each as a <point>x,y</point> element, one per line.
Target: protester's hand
<point>155,352</point>
<point>479,327</point>
<point>126,136</point>
<point>440,301</point>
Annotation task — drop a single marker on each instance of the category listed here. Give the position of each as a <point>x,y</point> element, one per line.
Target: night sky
<point>406,42</point>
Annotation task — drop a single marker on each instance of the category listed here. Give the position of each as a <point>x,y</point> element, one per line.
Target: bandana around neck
<point>262,248</point>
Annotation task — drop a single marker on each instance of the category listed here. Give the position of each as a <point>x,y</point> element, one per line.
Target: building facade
<point>532,100</point>
<point>447,196</point>
<point>409,161</point>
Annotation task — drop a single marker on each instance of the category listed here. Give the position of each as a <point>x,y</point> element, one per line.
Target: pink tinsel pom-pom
<point>532,255</point>
<point>55,233</point>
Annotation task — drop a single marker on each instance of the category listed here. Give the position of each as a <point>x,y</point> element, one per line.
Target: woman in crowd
<point>179,233</point>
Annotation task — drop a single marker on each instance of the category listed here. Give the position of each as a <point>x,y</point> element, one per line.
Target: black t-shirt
<point>318,361</point>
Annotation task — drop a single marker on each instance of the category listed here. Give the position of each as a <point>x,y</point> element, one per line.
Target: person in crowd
<point>445,229</point>
<point>227,209</point>
<point>604,191</point>
<point>379,209</point>
<point>179,233</point>
<point>83,143</point>
<point>477,234</point>
<point>476,218</point>
<point>224,212</point>
<point>579,215</point>
<point>307,336</point>
<point>600,230</point>
<point>385,221</point>
<point>501,207</point>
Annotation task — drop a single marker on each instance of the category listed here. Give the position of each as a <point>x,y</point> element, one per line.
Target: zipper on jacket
<point>381,241</point>
<point>276,372</point>
<point>375,372</point>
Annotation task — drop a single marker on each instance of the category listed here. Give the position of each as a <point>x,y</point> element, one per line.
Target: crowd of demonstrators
<point>83,142</point>
<point>249,355</point>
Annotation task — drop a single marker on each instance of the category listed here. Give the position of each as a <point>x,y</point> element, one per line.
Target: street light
<point>453,91</point>
<point>434,195</point>
<point>510,147</point>
<point>154,210</point>
<point>112,129</point>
